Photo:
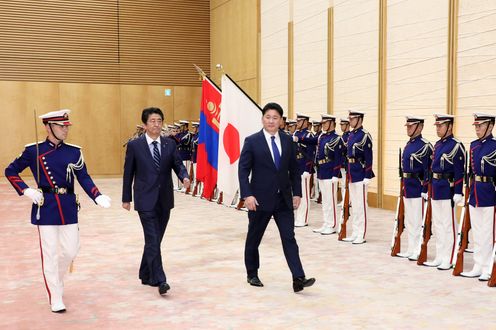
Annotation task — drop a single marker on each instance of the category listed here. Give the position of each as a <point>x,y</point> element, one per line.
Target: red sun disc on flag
<point>231,143</point>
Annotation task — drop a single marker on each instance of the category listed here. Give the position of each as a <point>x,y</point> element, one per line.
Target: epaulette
<point>33,144</point>
<point>456,140</point>
<point>73,145</point>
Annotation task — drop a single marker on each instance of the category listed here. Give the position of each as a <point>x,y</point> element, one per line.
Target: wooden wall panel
<point>187,103</point>
<point>148,42</point>
<point>104,116</point>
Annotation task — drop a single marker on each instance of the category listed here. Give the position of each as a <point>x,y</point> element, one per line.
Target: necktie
<point>275,151</point>
<point>156,154</point>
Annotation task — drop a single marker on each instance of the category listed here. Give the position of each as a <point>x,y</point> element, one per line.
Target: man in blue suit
<point>149,161</point>
<point>274,190</point>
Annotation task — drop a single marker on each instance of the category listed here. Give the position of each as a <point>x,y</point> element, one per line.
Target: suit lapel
<point>146,149</point>
<point>163,146</point>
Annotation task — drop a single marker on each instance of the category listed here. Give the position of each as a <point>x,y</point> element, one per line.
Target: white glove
<point>103,201</point>
<point>334,179</point>
<point>425,196</point>
<point>34,194</point>
<point>366,181</point>
<point>295,138</point>
<point>457,198</point>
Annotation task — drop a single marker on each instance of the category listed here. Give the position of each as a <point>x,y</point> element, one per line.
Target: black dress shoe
<point>163,288</point>
<point>255,281</point>
<point>301,282</point>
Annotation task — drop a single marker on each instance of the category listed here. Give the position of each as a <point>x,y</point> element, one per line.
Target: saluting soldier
<point>328,158</point>
<point>54,165</point>
<point>359,153</point>
<point>291,127</point>
<point>447,169</point>
<point>482,195</point>
<point>344,124</point>
<point>306,143</point>
<point>415,164</point>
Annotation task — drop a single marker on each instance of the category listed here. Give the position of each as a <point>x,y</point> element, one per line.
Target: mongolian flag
<point>208,140</point>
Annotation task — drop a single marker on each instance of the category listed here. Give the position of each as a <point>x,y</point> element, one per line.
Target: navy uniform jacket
<point>329,155</point>
<point>266,180</point>
<point>184,145</point>
<point>359,153</point>
<point>483,165</point>
<point>194,147</point>
<point>344,158</point>
<point>305,152</point>
<point>415,163</point>
<point>58,166</point>
<point>151,185</point>
<point>448,160</point>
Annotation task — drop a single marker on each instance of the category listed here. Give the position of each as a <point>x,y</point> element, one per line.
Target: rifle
<point>191,172</point>
<point>426,228</point>
<point>464,228</point>
<point>492,279</point>
<point>345,212</point>
<point>399,221</point>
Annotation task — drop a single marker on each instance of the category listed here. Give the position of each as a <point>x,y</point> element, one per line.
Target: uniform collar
<point>53,145</point>
<point>449,137</point>
<point>415,138</point>
<point>489,137</point>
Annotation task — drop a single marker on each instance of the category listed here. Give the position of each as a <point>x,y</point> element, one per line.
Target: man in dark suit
<point>149,161</point>
<point>273,191</point>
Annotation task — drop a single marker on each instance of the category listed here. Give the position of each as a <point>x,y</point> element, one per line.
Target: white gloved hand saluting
<point>103,201</point>
<point>457,198</point>
<point>34,194</point>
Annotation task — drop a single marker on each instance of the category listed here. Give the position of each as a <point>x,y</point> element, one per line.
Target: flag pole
<point>37,163</point>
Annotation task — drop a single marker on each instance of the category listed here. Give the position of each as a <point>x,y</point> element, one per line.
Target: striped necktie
<point>156,154</point>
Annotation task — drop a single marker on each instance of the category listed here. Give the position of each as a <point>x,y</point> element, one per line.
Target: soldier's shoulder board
<point>456,140</point>
<point>73,145</point>
<point>33,144</point>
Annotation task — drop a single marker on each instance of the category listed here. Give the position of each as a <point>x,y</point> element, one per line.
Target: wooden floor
<point>357,286</point>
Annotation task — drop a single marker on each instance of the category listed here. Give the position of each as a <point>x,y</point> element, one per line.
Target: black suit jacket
<point>266,180</point>
<point>151,184</point>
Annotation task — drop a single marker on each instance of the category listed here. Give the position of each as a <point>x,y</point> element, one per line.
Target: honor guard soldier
<point>328,159</point>
<point>184,147</point>
<point>291,127</point>
<point>314,183</point>
<point>306,143</point>
<point>447,169</point>
<point>482,195</point>
<point>55,164</point>
<point>415,164</point>
<point>344,124</point>
<point>359,153</point>
<point>194,150</point>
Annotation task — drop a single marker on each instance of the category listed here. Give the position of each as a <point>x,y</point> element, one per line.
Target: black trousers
<point>154,224</point>
<point>258,221</point>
